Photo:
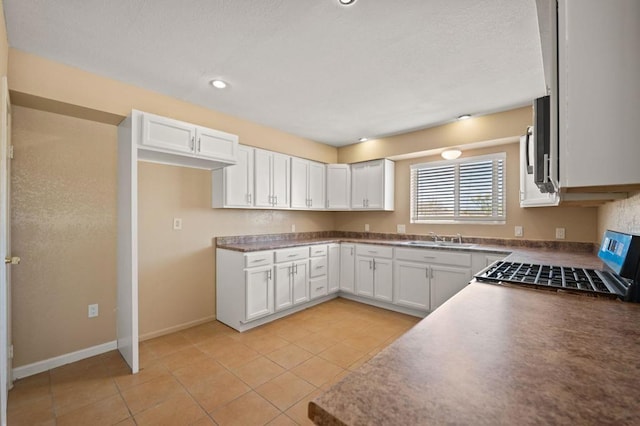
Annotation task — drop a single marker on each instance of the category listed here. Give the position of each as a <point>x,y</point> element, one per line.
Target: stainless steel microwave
<point>541,161</point>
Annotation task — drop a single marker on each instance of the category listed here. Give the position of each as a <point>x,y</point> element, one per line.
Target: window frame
<point>457,219</point>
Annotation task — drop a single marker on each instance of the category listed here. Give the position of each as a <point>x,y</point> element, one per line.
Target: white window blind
<point>464,190</point>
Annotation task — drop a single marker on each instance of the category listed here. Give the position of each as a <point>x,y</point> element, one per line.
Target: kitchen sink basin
<point>438,244</point>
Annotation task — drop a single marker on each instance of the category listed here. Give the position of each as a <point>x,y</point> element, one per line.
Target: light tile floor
<point>211,374</point>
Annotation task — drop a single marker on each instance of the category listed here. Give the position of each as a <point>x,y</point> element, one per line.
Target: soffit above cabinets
<point>308,67</point>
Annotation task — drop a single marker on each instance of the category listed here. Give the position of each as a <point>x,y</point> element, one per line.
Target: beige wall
<point>623,215</point>
<point>538,223</point>
<point>177,268</point>
<point>64,229</point>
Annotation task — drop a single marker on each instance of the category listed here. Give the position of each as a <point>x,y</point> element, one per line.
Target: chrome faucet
<point>434,236</point>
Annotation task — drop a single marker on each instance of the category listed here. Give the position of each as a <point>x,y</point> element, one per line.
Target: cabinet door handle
<point>374,264</point>
<point>364,203</point>
<point>429,257</point>
<point>249,199</point>
<point>192,144</point>
<point>351,251</point>
<point>296,269</point>
<point>276,202</point>
<point>319,267</point>
<point>199,144</point>
<point>269,274</point>
<point>292,255</point>
<point>370,265</point>
<point>319,288</point>
<point>372,251</point>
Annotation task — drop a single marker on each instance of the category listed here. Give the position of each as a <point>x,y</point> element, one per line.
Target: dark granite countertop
<point>546,252</point>
<point>500,355</point>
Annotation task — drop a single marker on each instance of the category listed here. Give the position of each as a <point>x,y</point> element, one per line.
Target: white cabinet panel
<point>412,285</point>
<point>446,282</point>
<point>318,287</point>
<point>364,276</point>
<point>262,178</point>
<point>215,144</point>
<point>300,282</point>
<point>233,186</point>
<point>283,288</point>
<point>383,279</point>
<point>167,134</point>
<point>333,275</point>
<point>372,185</point>
<point>280,180</point>
<point>299,183</point>
<point>259,292</point>
<point>347,268</point>
<point>317,190</point>
<point>338,187</point>
<point>318,266</point>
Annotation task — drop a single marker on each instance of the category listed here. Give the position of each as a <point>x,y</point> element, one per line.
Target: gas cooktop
<point>620,253</point>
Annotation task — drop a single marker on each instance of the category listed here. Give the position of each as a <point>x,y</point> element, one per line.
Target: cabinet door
<point>383,279</point>
<point>238,180</point>
<point>300,279</point>
<point>216,145</point>
<point>168,134</point>
<point>359,185</point>
<point>317,192</point>
<point>446,282</point>
<point>411,285</point>
<point>280,180</point>
<point>299,183</point>
<point>262,178</point>
<point>364,276</point>
<point>283,288</point>
<point>333,257</point>
<point>258,292</point>
<point>375,185</point>
<point>338,186</point>
<point>347,268</point>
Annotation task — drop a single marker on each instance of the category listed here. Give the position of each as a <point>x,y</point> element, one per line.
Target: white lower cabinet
<point>333,273</point>
<point>412,285</point>
<point>348,268</point>
<point>446,282</point>
<point>374,272</point>
<point>259,292</point>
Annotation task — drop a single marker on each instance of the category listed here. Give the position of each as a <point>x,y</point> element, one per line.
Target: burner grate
<point>588,280</point>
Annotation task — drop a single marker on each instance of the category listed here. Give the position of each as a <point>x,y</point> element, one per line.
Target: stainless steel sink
<point>438,244</point>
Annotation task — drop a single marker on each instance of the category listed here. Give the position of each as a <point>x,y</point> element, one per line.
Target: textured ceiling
<point>308,67</point>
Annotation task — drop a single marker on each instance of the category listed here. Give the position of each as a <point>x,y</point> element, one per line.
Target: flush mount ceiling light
<point>464,116</point>
<point>451,154</point>
<point>219,84</point>
<point>363,139</point>
<point>346,2</point>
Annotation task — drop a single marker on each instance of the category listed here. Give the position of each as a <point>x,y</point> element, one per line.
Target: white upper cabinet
<point>599,92</point>
<point>338,187</point>
<point>271,179</point>
<point>168,141</point>
<point>372,185</point>
<point>233,186</point>
<point>307,184</point>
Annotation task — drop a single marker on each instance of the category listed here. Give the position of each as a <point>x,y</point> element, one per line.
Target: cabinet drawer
<point>317,266</point>
<point>434,256</point>
<point>258,258</point>
<point>292,254</point>
<point>318,287</point>
<point>374,251</point>
<point>317,251</point>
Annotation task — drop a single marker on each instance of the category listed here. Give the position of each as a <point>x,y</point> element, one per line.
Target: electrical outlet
<point>366,227</point>
<point>560,233</point>
<point>93,310</point>
<point>177,224</point>
<point>293,228</point>
<point>518,231</point>
<point>401,229</point>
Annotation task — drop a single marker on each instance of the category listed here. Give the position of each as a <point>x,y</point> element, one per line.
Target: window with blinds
<point>464,190</point>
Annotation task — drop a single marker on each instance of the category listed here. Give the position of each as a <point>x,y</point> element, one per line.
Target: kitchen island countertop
<point>500,355</point>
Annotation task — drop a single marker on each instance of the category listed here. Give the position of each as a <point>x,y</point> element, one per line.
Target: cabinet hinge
<point>11,152</point>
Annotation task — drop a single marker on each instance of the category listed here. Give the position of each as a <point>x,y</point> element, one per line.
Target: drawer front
<point>317,251</point>
<point>286,255</point>
<point>444,257</point>
<point>374,251</point>
<point>318,287</point>
<point>317,266</point>
<point>258,258</point>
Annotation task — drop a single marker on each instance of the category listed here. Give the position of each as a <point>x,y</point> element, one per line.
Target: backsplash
<point>623,215</point>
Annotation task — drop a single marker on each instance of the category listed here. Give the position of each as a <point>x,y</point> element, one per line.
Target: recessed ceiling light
<point>451,154</point>
<point>219,84</point>
<point>346,2</point>
<point>464,117</point>
<point>363,139</point>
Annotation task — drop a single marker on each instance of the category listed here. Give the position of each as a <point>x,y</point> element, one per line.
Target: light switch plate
<point>518,231</point>
<point>177,224</point>
<point>93,310</point>
<point>401,229</point>
<point>560,233</point>
<point>366,227</point>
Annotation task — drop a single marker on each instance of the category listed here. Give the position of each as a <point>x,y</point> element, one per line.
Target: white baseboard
<point>48,364</point>
<point>175,328</point>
